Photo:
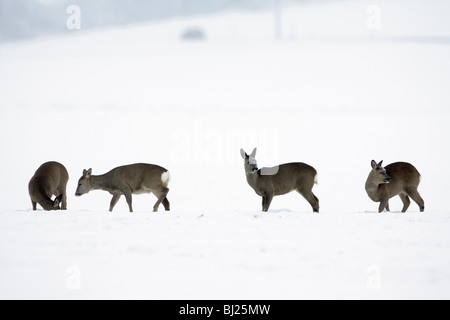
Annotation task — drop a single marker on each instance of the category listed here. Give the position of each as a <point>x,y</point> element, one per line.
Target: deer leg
<point>34,205</point>
<point>129,198</point>
<point>384,203</point>
<point>166,204</point>
<point>415,195</point>
<point>114,200</point>
<point>64,200</point>
<point>314,201</point>
<point>406,201</point>
<point>311,198</point>
<point>267,200</point>
<point>388,208</point>
<point>161,196</point>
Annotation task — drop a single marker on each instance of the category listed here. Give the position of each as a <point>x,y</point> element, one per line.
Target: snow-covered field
<point>100,100</point>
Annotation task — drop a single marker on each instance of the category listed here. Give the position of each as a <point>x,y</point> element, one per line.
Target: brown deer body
<point>400,179</point>
<point>280,180</point>
<point>128,180</point>
<point>49,180</point>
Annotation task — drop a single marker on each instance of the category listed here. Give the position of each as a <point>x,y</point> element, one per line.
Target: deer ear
<point>380,165</point>
<point>374,164</point>
<point>244,155</point>
<point>87,173</point>
<point>254,152</point>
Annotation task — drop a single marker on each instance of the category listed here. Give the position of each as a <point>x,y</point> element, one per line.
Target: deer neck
<point>373,189</point>
<point>252,178</point>
<point>100,182</point>
<point>41,197</point>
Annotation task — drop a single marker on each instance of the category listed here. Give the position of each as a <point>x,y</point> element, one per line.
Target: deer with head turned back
<point>400,179</point>
<point>128,180</point>
<point>48,181</point>
<point>280,180</point>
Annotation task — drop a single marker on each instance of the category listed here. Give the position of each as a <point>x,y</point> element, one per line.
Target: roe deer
<point>280,180</point>
<point>127,180</point>
<point>49,180</point>
<point>395,179</point>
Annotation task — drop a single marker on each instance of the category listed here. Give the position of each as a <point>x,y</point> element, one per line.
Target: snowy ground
<point>110,98</point>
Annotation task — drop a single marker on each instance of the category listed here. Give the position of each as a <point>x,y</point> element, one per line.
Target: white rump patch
<point>165,178</point>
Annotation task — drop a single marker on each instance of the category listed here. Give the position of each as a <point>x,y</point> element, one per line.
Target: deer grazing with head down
<point>128,180</point>
<point>400,179</point>
<point>280,180</point>
<point>48,181</point>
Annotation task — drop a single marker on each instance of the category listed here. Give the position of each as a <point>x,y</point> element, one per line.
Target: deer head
<point>379,173</point>
<point>84,184</point>
<point>250,161</point>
